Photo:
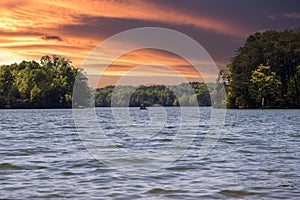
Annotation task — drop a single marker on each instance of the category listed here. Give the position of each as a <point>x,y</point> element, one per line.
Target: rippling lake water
<point>42,156</point>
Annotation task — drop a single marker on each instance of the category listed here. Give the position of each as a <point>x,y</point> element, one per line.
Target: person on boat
<point>143,107</point>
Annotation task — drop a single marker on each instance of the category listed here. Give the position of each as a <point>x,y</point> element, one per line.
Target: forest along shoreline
<point>265,73</point>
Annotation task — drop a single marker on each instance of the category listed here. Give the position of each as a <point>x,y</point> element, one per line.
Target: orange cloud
<point>32,28</point>
<point>145,65</point>
<point>147,10</point>
<point>132,80</point>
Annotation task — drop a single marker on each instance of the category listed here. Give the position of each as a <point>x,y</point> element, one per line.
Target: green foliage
<point>265,84</point>
<point>249,80</point>
<point>33,85</point>
<point>186,94</point>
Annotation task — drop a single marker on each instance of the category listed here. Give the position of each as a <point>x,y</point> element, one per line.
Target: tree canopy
<point>185,94</point>
<point>48,84</point>
<point>266,67</point>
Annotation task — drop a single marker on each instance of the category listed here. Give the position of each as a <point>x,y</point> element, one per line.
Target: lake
<point>44,154</point>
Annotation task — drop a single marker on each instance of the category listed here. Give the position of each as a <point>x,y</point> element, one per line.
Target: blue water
<point>42,156</point>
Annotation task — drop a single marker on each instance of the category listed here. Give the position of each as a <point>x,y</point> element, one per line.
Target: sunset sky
<point>30,29</point>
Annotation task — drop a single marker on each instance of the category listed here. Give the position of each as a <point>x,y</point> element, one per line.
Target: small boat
<point>142,107</point>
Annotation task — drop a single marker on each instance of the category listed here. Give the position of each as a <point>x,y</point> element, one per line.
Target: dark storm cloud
<point>52,37</point>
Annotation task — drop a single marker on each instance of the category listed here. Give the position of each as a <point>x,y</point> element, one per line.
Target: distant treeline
<point>185,94</point>
<point>265,72</point>
<point>48,84</point>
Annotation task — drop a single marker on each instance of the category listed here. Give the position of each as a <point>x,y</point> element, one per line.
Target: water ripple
<point>257,157</point>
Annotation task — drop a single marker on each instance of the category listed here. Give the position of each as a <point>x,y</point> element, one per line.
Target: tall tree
<point>265,87</point>
<point>280,51</point>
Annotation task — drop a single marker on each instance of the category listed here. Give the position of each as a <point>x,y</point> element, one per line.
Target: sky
<point>30,29</point>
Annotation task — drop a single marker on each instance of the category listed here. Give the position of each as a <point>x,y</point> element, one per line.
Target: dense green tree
<point>45,85</point>
<point>265,87</point>
<point>186,94</point>
<point>280,51</point>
